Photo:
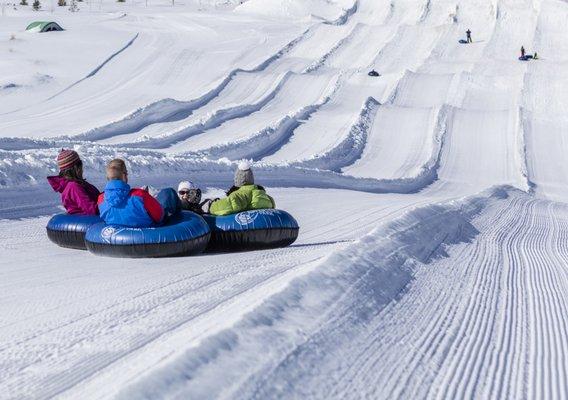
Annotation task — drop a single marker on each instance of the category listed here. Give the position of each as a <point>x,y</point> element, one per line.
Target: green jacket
<point>247,197</point>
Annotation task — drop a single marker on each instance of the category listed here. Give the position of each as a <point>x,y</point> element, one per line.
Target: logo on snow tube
<point>248,217</point>
<point>107,233</point>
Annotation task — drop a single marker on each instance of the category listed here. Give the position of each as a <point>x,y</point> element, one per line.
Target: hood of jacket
<point>58,183</point>
<point>117,192</point>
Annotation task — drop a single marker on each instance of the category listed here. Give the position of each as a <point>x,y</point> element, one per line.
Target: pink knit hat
<point>66,159</point>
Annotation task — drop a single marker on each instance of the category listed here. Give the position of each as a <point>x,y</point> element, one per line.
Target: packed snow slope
<point>432,260</point>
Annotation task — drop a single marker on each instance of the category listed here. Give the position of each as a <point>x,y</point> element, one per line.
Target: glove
<point>206,205</point>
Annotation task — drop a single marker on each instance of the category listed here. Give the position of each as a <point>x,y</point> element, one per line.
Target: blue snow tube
<point>463,41</point>
<point>68,230</point>
<point>525,58</point>
<point>183,234</point>
<point>249,230</point>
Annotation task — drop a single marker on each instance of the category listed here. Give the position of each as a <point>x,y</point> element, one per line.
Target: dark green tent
<point>44,26</point>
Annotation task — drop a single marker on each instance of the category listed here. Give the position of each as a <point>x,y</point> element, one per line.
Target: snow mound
<point>350,287</point>
<point>298,9</point>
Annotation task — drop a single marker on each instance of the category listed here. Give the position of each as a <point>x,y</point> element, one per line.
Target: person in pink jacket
<point>77,195</point>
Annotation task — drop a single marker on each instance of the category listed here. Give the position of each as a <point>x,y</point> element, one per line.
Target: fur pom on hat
<point>244,165</point>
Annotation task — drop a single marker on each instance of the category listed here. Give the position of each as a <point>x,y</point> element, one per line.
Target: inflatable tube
<point>67,230</point>
<point>525,58</point>
<point>462,41</point>
<point>249,230</point>
<point>183,234</point>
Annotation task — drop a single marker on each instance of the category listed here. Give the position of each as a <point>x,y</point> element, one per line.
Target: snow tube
<point>373,73</point>
<point>249,230</point>
<point>68,230</point>
<point>463,41</point>
<point>183,234</point>
<point>525,58</point>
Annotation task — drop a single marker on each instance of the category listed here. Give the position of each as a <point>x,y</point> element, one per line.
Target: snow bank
<point>346,291</point>
<point>30,167</point>
<point>209,120</point>
<point>272,137</point>
<point>19,169</point>
<point>331,10</point>
<point>168,110</point>
<point>351,148</point>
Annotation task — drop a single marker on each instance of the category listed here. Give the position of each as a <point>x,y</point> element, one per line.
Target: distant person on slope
<point>535,57</point>
<point>244,195</point>
<point>77,195</point>
<point>468,34</point>
<point>523,52</point>
<point>121,205</point>
<point>190,197</point>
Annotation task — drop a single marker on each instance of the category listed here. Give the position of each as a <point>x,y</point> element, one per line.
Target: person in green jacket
<point>244,195</point>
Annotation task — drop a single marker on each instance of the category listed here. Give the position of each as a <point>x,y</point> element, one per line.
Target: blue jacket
<point>121,205</point>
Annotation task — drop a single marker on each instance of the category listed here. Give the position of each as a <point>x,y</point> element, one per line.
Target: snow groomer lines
<point>431,259</point>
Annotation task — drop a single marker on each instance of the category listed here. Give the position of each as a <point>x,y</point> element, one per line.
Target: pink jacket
<point>77,198</point>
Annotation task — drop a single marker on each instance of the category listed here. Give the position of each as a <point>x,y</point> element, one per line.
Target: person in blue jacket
<point>119,204</point>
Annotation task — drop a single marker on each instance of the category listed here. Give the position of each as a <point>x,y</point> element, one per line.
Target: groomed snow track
<point>432,258</point>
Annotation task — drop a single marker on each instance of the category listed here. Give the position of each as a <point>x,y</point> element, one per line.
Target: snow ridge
<point>270,139</point>
<point>524,128</point>
<point>335,301</point>
<point>218,118</point>
<point>351,148</point>
<point>344,18</point>
<point>426,11</point>
<point>168,110</point>
<point>97,69</point>
<point>322,60</point>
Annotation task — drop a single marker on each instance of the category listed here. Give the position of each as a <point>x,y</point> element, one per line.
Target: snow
<point>318,9</point>
<point>431,260</point>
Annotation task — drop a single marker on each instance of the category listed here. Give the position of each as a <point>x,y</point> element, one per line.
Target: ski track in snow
<point>432,258</point>
<point>357,341</point>
<point>170,109</point>
<point>98,68</point>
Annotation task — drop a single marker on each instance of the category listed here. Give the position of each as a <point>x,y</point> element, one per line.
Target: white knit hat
<point>186,185</point>
<point>243,174</point>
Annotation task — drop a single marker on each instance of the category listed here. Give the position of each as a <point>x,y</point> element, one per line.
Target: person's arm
<point>231,190</point>
<point>221,207</point>
<point>260,199</point>
<point>82,200</point>
<point>229,205</point>
<point>152,206</point>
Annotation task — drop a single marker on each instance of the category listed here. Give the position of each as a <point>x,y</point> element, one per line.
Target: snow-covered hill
<point>432,258</point>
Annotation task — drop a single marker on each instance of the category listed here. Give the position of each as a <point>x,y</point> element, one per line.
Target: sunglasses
<point>182,192</point>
